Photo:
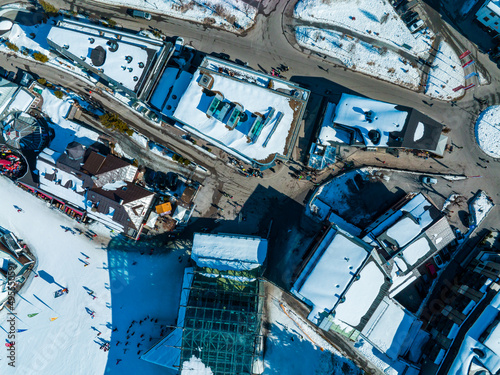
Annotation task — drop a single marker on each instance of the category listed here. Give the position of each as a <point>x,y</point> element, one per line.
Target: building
<point>87,184</point>
<point>351,277</point>
<point>250,115</point>
<point>16,258</point>
<point>371,124</point>
<point>219,320</point>
<point>128,63</point>
<point>13,98</point>
<point>24,132</point>
<point>489,15</point>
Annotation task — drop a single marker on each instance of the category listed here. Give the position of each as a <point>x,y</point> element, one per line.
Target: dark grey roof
<point>75,151</point>
<point>98,56</point>
<point>427,141</point>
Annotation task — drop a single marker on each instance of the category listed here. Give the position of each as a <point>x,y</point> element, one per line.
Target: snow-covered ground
<point>293,348</point>
<point>488,131</point>
<point>372,18</point>
<point>128,286</point>
<point>446,74</point>
<point>234,15</point>
<point>360,56</point>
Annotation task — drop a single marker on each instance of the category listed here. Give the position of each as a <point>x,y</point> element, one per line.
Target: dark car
<point>432,270</point>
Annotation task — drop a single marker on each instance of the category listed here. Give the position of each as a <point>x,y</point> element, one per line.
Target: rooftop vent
<point>91,40</point>
<point>206,81</point>
<point>66,46</point>
<point>130,69</point>
<point>113,45</point>
<point>374,136</point>
<point>135,78</point>
<point>98,56</point>
<point>129,59</point>
<point>370,116</point>
<point>141,65</point>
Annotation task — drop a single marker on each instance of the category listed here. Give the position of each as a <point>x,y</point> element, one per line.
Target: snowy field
<point>128,286</point>
<point>360,56</point>
<point>488,131</point>
<point>233,15</point>
<point>480,207</point>
<point>446,74</point>
<point>371,18</point>
<point>293,348</point>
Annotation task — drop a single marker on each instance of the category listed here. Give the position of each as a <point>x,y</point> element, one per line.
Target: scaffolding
<point>222,323</point>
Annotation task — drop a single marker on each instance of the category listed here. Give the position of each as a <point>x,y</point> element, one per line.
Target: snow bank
<point>446,74</point>
<point>360,56</point>
<point>488,131</point>
<point>372,18</point>
<point>234,15</point>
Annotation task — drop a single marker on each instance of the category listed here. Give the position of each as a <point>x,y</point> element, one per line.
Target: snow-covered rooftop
<point>415,251</point>
<point>329,271</point>
<point>269,117</point>
<point>389,327</point>
<point>361,295</point>
<point>466,357</point>
<point>123,58</point>
<point>367,114</point>
<point>228,252</point>
<point>480,207</point>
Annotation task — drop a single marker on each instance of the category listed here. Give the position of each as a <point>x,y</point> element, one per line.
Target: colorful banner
<point>470,75</point>
<point>458,88</point>
<point>470,86</point>
<point>466,53</point>
<point>468,64</point>
<point>32,315</point>
<point>52,319</point>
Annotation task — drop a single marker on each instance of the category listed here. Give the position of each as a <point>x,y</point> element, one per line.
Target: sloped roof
<point>228,252</point>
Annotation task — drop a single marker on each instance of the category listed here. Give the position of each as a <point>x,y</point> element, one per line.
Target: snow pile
<point>227,252</point>
<point>488,131</point>
<point>446,74</point>
<point>450,200</point>
<point>234,15</point>
<point>480,207</point>
<point>195,367</point>
<point>140,139</point>
<point>370,18</point>
<point>360,56</point>
<point>361,295</point>
<point>19,36</point>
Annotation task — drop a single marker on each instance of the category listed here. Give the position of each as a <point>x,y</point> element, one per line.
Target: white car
<point>179,44</point>
<point>429,180</point>
<point>414,27</point>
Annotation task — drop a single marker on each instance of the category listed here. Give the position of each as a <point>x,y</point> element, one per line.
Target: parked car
<point>179,44</point>
<point>432,270</point>
<point>438,260</point>
<point>139,14</point>
<point>429,180</point>
<point>414,27</point>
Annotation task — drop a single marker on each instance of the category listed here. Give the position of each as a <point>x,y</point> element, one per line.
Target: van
<point>139,14</point>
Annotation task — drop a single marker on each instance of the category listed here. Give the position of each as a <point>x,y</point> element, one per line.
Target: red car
<point>432,270</point>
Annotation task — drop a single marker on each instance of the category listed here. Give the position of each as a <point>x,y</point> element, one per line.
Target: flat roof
<point>328,273</point>
<point>367,114</point>
<point>81,40</point>
<point>258,94</point>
